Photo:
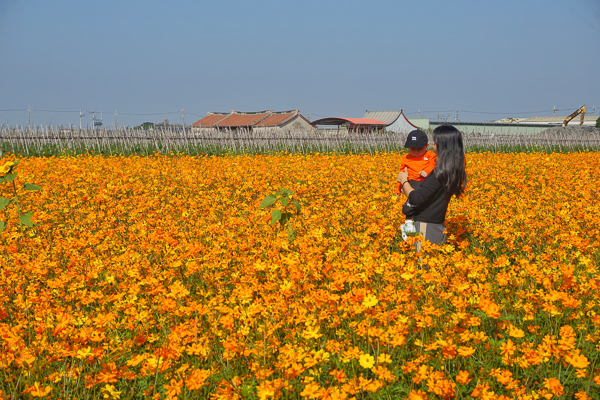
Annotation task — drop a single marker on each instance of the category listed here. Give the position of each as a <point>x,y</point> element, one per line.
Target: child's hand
<point>423,174</point>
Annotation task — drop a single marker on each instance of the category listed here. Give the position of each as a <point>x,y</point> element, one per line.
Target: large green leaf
<point>287,192</point>
<point>10,177</point>
<point>285,201</point>
<point>4,202</point>
<point>26,219</point>
<point>268,201</point>
<point>285,218</point>
<point>2,226</point>
<point>297,205</point>
<point>275,216</point>
<point>31,186</point>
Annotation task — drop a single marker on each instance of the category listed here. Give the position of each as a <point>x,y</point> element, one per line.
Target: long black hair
<point>450,166</point>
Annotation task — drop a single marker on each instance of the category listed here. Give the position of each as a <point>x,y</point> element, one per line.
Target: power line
<point>496,112</point>
<point>440,111</point>
<point>160,113</point>
<point>507,112</point>
<point>82,111</point>
<point>57,111</point>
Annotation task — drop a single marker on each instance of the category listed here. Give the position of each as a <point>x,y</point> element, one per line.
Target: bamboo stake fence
<point>52,140</point>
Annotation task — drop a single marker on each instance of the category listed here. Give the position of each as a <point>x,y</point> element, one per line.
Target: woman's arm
<point>428,190</point>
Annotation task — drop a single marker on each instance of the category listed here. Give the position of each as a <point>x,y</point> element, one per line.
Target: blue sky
<point>148,60</point>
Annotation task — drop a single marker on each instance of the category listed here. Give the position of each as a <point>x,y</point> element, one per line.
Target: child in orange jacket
<point>419,162</point>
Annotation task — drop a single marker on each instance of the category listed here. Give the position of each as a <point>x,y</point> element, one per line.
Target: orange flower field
<point>160,277</point>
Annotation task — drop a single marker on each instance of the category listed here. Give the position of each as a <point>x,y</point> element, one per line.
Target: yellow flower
<point>311,333</point>
<point>110,392</point>
<point>366,361</point>
<point>84,353</point>
<point>370,300</point>
<point>384,358</point>
<point>6,168</point>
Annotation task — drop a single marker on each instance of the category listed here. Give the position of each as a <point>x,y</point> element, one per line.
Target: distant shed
<point>395,121</point>
<point>256,121</point>
<point>351,124</point>
<point>283,121</point>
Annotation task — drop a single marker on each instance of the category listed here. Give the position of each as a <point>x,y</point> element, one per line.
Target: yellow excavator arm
<point>570,117</point>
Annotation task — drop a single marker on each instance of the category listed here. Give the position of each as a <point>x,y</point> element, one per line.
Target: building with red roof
<point>257,121</point>
<point>351,124</point>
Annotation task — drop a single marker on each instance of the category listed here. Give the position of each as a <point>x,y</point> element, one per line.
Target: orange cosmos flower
<point>37,390</point>
<point>174,388</point>
<point>508,348</point>
<point>516,332</point>
<point>554,386</point>
<point>311,390</point>
<point>265,390</point>
<point>417,395</point>
<point>466,351</point>
<point>578,360</point>
<point>463,377</point>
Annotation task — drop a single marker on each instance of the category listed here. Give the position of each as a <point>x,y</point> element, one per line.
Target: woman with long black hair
<point>428,204</point>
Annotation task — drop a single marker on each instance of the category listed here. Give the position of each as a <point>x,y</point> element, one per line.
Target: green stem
<point>17,204</point>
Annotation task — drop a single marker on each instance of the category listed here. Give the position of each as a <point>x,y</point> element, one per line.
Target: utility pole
<point>419,113</point>
<point>554,111</point>
<point>116,113</point>
<point>80,116</point>
<point>29,119</point>
<point>183,118</point>
<point>456,118</point>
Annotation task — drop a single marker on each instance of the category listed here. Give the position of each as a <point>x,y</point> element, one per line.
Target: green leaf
<point>297,205</point>
<point>268,201</point>
<point>285,218</point>
<point>285,201</point>
<point>10,177</point>
<point>287,192</point>
<point>2,226</point>
<point>275,216</point>
<point>16,163</point>
<point>26,219</point>
<point>31,186</point>
<point>4,202</point>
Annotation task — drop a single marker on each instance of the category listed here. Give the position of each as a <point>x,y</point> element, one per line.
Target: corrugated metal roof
<point>353,121</point>
<point>210,119</point>
<point>389,117</point>
<point>365,121</point>
<point>245,119</point>
<point>237,118</point>
<point>401,125</point>
<point>278,118</point>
